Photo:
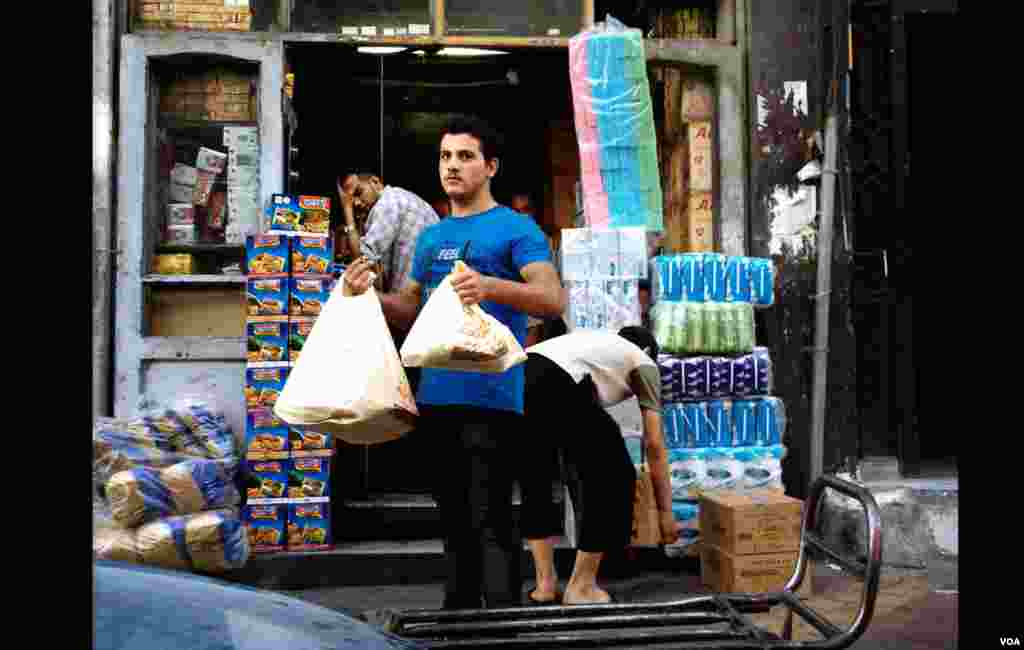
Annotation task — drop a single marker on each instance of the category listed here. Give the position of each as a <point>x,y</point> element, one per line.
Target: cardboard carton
<point>750,523</point>
<point>726,572</point>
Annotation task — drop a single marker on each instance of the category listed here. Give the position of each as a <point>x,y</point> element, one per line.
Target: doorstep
<point>360,564</point>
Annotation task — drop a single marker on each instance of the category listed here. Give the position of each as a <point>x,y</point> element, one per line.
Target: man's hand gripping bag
<point>453,336</point>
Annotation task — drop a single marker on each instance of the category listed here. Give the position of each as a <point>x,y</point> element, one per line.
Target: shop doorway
<point>897,161</point>
<point>383,114</point>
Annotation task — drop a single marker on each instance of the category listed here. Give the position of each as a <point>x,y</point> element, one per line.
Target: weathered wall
<point>787,39</point>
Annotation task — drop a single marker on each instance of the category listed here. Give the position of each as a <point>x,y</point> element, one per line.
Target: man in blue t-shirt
<point>470,420</point>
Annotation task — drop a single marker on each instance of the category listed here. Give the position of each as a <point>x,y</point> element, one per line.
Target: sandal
<point>557,600</point>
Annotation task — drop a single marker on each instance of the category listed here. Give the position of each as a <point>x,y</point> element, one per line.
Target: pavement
<point>915,610</point>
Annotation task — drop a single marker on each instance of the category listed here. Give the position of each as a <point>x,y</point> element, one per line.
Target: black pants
<point>562,415</point>
<point>474,451</point>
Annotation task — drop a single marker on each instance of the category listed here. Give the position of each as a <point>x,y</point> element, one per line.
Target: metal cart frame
<point>715,621</point>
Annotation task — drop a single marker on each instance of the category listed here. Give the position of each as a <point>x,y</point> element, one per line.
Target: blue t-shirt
<point>500,242</point>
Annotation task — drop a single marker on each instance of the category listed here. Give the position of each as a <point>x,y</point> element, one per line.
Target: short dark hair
<point>491,142</point>
<point>641,338</point>
<point>363,176</point>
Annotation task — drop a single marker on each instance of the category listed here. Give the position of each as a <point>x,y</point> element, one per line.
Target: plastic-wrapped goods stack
<point>723,428</point>
<point>165,490</point>
<point>602,270</point>
<point>286,470</point>
<point>615,127</point>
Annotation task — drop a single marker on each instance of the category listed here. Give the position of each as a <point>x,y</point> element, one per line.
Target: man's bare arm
<point>400,308</point>
<point>540,295</point>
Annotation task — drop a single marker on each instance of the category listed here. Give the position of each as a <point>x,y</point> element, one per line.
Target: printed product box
<point>266,479</point>
<point>203,188</point>
<point>266,255</point>
<point>284,214</point>
<point>309,526</point>
<point>181,214</point>
<point>312,254</point>
<point>264,385</point>
<point>752,522</point>
<point>315,215</point>
<point>309,443</point>
<point>267,338</point>
<point>267,296</point>
<point>308,477</point>
<point>308,294</point>
<point>265,526</point>
<point>211,161</point>
<point>184,234</point>
<point>726,572</point>
<point>266,436</point>
<point>299,328</point>
<point>173,264</point>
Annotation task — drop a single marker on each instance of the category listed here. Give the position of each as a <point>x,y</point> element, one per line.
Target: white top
<point>619,369</point>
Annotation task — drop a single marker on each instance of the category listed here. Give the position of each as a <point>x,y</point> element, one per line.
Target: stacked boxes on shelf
<point>205,15</point>
<point>288,469</point>
<point>723,428</point>
<point>219,94</point>
<point>602,270</point>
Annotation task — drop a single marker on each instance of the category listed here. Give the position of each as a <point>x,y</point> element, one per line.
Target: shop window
<point>202,191</point>
<point>205,15</point>
<point>498,18</point>
<point>365,18</point>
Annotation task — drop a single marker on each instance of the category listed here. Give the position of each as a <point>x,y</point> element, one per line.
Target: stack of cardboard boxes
<point>750,541</point>
<point>219,93</point>
<point>205,15</point>
<point>288,482</point>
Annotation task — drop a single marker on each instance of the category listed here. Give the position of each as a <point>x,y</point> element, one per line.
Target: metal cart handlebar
<point>710,621</point>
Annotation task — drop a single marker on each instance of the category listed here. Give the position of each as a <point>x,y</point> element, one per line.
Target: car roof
<point>145,607</point>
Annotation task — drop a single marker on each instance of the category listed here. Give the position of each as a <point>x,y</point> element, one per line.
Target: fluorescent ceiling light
<point>380,50</point>
<point>420,53</point>
<point>468,51</point>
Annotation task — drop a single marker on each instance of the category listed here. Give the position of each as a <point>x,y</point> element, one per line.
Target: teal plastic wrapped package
<point>615,130</point>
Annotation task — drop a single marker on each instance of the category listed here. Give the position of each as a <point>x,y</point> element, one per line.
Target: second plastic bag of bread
<point>349,381</point>
<point>450,335</point>
<point>144,494</point>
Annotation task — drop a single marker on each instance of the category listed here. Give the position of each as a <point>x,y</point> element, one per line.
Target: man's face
<point>463,170</point>
<point>364,193</point>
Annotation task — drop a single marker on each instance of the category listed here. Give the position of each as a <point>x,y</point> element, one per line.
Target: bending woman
<point>570,380</point>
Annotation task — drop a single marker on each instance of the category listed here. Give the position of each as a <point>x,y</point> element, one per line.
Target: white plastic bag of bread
<point>453,336</point>
<point>349,380</point>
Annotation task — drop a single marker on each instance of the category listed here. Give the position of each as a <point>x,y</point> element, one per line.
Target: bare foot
<point>546,591</point>
<point>592,595</point>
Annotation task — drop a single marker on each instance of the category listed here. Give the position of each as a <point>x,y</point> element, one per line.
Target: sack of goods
<point>349,380</point>
<point>453,336</point>
<point>209,542</point>
<point>159,437</point>
<point>143,494</point>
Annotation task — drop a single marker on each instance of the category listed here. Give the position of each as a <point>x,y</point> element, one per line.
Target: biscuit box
<point>307,294</point>
<point>315,215</point>
<point>267,296</point>
<point>266,435</point>
<point>264,385</point>
<point>309,443</point>
<point>726,572</point>
<point>299,328</point>
<point>284,214</point>
<point>312,254</point>
<point>267,339</point>
<point>265,526</point>
<point>266,479</point>
<point>266,255</point>
<point>751,522</point>
<point>309,527</point>
<point>309,477</point>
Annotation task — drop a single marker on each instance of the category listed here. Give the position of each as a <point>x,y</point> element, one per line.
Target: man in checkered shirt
<point>394,220</point>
